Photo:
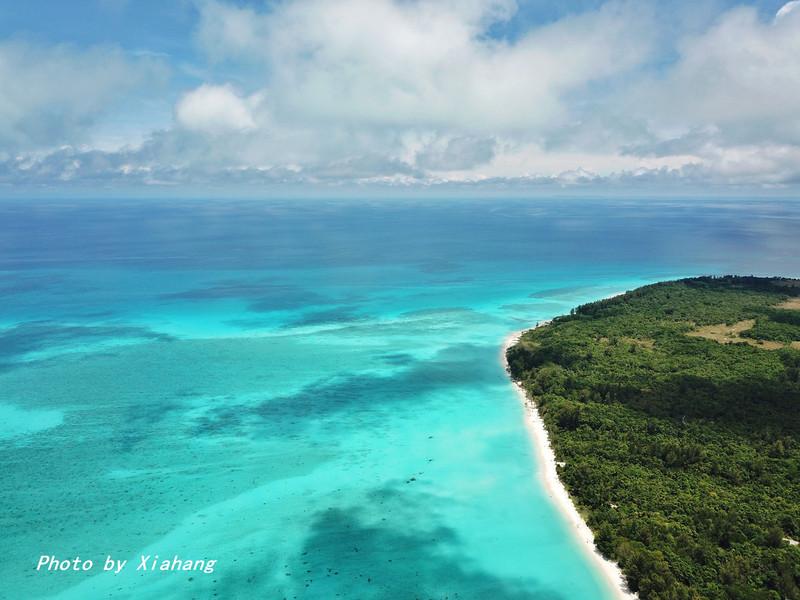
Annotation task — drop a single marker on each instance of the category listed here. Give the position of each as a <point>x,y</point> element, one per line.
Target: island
<point>673,412</point>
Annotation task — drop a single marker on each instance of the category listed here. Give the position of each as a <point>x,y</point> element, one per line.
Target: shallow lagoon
<point>309,392</point>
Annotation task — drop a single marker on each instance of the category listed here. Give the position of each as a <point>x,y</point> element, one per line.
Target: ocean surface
<point>309,392</point>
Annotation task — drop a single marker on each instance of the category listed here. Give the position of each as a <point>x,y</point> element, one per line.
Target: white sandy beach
<point>555,489</point>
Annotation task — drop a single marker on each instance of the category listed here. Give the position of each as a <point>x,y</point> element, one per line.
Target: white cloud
<point>787,8</point>
<point>228,32</point>
<point>455,153</point>
<point>740,78</point>
<point>51,95</point>
<point>728,103</point>
<point>424,63</point>
<point>216,109</point>
<point>384,88</point>
<point>421,91</point>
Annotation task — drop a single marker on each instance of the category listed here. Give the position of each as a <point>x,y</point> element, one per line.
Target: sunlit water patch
<point>15,421</point>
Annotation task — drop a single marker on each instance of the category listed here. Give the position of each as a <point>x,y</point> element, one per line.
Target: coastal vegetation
<point>675,410</point>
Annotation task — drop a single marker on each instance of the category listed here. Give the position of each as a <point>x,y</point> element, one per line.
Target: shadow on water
<point>263,295</point>
<point>22,339</point>
<point>463,366</point>
<point>345,555</point>
<point>343,314</point>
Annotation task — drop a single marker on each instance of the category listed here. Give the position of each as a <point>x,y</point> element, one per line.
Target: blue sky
<point>146,97</point>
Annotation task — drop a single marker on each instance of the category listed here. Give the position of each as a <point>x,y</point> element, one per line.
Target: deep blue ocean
<point>310,392</point>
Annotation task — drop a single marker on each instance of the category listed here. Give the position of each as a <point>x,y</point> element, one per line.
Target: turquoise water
<point>309,393</point>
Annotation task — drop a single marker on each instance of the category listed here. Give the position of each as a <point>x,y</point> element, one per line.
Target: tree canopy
<point>675,409</point>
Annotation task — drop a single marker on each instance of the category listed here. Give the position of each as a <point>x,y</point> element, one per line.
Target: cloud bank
<point>423,93</point>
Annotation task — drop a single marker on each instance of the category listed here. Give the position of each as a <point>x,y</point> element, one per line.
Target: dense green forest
<point>676,410</point>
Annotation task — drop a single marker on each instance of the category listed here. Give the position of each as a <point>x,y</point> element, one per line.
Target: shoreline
<point>553,486</point>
